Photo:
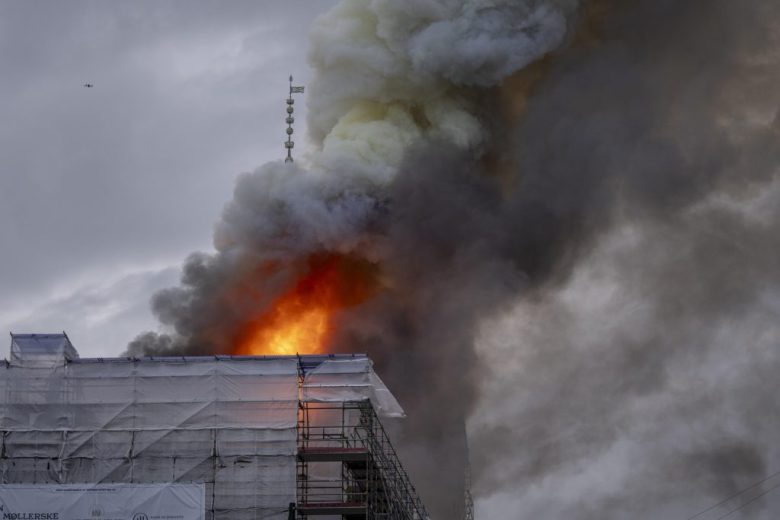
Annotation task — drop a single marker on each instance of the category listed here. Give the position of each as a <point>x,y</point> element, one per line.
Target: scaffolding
<point>266,437</point>
<point>347,466</point>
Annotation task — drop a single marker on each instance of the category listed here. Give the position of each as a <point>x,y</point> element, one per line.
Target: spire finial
<point>289,144</point>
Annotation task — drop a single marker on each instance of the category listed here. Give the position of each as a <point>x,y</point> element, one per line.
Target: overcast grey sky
<point>105,190</point>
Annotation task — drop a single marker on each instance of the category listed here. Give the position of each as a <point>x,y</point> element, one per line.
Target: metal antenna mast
<point>289,144</point>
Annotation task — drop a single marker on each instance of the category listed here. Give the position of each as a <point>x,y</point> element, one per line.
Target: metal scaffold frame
<point>347,466</point>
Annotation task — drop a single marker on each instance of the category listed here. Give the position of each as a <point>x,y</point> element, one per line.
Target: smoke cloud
<point>635,381</point>
<point>574,217</point>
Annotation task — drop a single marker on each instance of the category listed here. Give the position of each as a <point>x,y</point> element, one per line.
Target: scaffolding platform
<point>352,510</point>
<point>347,466</point>
<point>332,454</point>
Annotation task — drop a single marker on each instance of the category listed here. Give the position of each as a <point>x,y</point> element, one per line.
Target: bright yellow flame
<point>294,333</point>
<point>300,321</point>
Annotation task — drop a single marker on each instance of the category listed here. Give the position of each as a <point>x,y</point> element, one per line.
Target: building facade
<point>240,437</point>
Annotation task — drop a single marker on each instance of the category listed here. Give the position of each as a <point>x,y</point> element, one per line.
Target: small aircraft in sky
<point>88,85</point>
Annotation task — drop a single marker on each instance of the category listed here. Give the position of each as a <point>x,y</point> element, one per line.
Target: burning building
<point>217,437</point>
<point>589,189</point>
<point>390,236</point>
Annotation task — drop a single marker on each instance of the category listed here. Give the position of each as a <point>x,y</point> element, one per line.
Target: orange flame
<point>301,320</point>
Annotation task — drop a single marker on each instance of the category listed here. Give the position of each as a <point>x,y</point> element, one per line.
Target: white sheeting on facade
<point>226,422</point>
<point>42,349</point>
<point>104,501</point>
<point>150,395</point>
<point>339,380</point>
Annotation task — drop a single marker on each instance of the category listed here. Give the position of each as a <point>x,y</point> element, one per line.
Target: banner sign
<point>103,502</point>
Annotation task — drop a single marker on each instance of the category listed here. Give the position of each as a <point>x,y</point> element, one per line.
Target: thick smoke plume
<point>637,379</point>
<point>571,217</point>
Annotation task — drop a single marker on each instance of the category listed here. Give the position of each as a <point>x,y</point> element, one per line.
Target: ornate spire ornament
<point>289,144</point>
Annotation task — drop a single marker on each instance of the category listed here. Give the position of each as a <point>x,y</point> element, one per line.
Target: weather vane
<point>290,120</point>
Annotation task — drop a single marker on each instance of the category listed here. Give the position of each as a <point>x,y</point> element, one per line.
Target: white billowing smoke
<point>392,72</point>
<point>389,74</point>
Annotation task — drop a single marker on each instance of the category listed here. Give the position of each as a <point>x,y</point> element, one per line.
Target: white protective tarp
<point>103,502</point>
<point>341,380</point>
<point>227,423</point>
<point>41,349</point>
<point>150,395</point>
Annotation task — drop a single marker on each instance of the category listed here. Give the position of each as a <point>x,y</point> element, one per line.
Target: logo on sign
<point>140,516</point>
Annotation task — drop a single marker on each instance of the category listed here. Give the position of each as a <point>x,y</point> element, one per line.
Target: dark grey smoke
<point>606,314</point>
<point>643,387</point>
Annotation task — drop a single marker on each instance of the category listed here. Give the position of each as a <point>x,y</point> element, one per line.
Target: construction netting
<point>226,422</point>
<point>351,379</point>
